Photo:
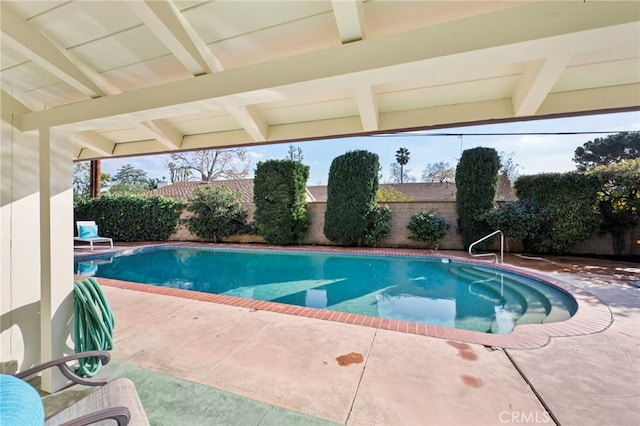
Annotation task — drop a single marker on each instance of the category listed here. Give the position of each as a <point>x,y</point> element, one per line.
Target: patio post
<point>56,251</point>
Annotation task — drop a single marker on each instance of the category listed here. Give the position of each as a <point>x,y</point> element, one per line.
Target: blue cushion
<point>88,231</point>
<point>20,403</point>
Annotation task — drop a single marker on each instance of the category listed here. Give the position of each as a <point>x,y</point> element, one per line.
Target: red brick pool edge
<point>592,315</point>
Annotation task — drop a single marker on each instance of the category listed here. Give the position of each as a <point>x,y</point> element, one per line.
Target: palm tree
<point>402,158</point>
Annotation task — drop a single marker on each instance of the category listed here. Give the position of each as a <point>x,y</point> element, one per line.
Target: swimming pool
<point>424,290</point>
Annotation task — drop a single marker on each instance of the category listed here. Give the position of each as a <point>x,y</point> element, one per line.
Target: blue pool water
<point>425,290</point>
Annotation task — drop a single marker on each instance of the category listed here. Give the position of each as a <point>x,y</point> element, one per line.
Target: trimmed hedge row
<point>131,217</point>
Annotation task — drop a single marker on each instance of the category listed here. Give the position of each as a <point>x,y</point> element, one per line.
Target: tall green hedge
<point>351,196</point>
<point>476,183</point>
<point>128,217</point>
<point>571,199</point>
<point>279,193</point>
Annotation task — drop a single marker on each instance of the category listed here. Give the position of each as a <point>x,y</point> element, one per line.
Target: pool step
<point>515,291</point>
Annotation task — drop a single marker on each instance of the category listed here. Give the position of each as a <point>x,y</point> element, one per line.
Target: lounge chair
<point>88,233</point>
<point>117,399</point>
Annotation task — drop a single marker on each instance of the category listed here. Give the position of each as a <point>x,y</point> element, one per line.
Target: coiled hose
<point>94,324</point>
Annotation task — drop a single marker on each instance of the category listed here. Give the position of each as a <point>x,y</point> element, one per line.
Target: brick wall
<point>399,238</point>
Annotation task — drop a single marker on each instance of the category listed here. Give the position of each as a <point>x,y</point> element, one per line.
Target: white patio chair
<point>88,233</point>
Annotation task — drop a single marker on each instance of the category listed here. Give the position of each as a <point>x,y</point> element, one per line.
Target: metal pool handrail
<point>490,254</point>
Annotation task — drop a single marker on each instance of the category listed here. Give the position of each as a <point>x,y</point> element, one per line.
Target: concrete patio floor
<point>291,362</point>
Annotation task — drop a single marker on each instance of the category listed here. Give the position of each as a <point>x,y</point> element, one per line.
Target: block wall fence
<point>399,238</point>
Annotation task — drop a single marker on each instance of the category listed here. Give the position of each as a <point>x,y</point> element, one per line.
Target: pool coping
<point>592,314</point>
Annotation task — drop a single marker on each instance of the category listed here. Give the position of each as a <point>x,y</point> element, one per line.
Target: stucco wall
<point>36,250</point>
<point>19,247</point>
<point>401,213</point>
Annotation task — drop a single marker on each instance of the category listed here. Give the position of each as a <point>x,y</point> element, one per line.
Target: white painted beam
<point>536,83</point>
<point>334,69</point>
<point>368,108</point>
<point>12,109</point>
<point>175,32</point>
<point>627,96</point>
<point>163,133</point>
<point>19,35</point>
<point>349,19</point>
<point>251,121</point>
<point>96,143</point>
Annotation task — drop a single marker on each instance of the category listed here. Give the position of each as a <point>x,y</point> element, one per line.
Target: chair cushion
<point>20,403</point>
<point>88,231</point>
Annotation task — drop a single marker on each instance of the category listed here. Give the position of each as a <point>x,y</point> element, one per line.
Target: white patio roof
<point>139,77</point>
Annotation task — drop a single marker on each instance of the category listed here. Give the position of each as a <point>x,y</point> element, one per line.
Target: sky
<point>534,153</point>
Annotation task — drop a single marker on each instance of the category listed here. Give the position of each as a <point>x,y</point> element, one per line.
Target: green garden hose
<point>93,322</point>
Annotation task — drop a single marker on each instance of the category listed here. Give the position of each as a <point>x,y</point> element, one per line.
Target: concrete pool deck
<point>404,378</point>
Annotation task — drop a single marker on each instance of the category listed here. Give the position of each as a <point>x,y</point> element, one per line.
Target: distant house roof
<point>184,190</point>
<point>422,191</point>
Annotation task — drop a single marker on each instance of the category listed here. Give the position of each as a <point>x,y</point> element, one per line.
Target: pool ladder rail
<point>496,259</point>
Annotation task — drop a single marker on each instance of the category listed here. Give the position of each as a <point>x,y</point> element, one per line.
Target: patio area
<point>197,362</point>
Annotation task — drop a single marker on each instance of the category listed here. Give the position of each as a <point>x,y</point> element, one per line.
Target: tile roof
<point>183,190</point>
<point>419,191</point>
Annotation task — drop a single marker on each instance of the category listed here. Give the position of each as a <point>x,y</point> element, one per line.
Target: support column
<point>56,251</point>
<point>95,179</point>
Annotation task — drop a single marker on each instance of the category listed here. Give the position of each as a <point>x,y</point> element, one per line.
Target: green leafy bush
<point>351,196</point>
<point>378,225</point>
<point>619,201</point>
<point>127,217</point>
<point>476,182</point>
<point>521,220</point>
<point>571,199</point>
<point>426,226</point>
<point>217,212</point>
<point>279,193</point>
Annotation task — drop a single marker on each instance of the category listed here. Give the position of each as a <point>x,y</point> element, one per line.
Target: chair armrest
<point>121,415</point>
<point>61,363</point>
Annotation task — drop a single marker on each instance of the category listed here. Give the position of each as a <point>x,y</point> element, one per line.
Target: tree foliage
<point>279,193</point>
<point>351,196</point>
<point>402,159</point>
<point>385,195</point>
<point>619,200</point>
<point>129,180</point>
<point>476,182</point>
<point>82,179</point>
<point>295,154</point>
<point>209,165</point>
<point>439,172</point>
<point>399,174</point>
<point>508,166</point>
<point>611,149</point>
<point>217,212</point>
